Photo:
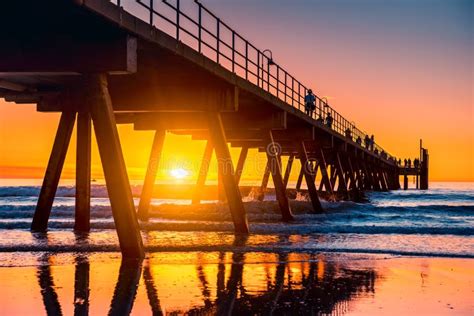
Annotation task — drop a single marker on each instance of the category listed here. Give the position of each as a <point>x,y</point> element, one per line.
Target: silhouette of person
<point>329,120</point>
<point>416,163</point>
<point>348,133</point>
<point>367,142</point>
<point>372,142</point>
<point>359,140</point>
<point>409,163</point>
<point>309,103</point>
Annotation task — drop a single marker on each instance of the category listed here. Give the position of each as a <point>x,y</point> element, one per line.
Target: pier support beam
<point>309,174</point>
<point>352,178</point>
<point>289,164</point>
<point>369,176</point>
<point>424,164</point>
<point>405,182</point>
<point>116,178</point>
<point>203,170</point>
<point>266,177</point>
<point>53,172</point>
<point>83,172</point>
<point>273,156</point>
<point>359,177</point>
<point>240,163</point>
<point>383,180</point>
<point>375,178</point>
<point>342,180</point>
<point>234,198</point>
<point>152,170</point>
<point>300,179</point>
<point>324,171</point>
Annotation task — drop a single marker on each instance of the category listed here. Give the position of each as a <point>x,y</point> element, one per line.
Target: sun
<point>179,173</point>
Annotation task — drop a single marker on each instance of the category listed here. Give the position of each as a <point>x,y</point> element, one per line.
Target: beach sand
<point>202,283</point>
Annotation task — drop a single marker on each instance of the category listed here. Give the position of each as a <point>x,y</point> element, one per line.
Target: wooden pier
<point>104,63</point>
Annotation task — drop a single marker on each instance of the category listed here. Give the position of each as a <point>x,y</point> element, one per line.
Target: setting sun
<point>179,173</point>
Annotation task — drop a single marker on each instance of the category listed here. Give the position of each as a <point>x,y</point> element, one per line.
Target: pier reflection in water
<point>204,283</point>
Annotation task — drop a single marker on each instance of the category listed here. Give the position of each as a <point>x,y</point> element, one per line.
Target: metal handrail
<point>279,82</point>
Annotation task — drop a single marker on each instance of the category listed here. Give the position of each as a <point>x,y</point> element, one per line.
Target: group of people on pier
<point>310,107</point>
<point>407,163</point>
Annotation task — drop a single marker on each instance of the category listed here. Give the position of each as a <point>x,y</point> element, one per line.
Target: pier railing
<point>196,26</point>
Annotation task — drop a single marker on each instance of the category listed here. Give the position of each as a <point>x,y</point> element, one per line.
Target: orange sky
<point>400,70</point>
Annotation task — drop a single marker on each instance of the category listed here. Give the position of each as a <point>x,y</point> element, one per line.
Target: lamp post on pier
<point>270,62</point>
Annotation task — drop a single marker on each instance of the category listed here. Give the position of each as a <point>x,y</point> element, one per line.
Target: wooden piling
<point>266,177</point>
<point>324,171</point>
<point>280,189</point>
<point>405,182</point>
<point>83,172</point>
<point>375,178</point>
<point>359,176</point>
<point>352,175</point>
<point>300,179</point>
<point>309,174</point>
<point>234,198</point>
<point>383,181</point>
<point>53,172</point>
<point>289,164</point>
<point>240,163</point>
<point>342,180</point>
<point>203,170</point>
<point>220,185</point>
<point>116,178</point>
<point>332,176</point>
<point>424,163</point>
<point>150,177</point>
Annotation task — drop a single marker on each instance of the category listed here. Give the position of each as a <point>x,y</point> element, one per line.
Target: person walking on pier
<point>348,133</point>
<point>359,140</point>
<point>372,142</point>
<point>329,120</point>
<point>309,103</point>
<point>409,163</point>
<point>367,142</point>
<point>416,163</point>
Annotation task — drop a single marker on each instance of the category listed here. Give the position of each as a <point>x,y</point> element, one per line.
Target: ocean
<point>438,222</point>
<point>405,252</point>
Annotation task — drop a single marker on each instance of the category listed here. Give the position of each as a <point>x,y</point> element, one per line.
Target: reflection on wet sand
<point>242,283</point>
<point>81,285</point>
<point>46,283</point>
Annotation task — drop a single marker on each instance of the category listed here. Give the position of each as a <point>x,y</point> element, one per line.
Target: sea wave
<point>260,228</point>
<point>97,190</point>
<point>78,248</point>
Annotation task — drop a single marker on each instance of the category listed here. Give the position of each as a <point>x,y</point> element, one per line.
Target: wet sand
<point>203,283</point>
